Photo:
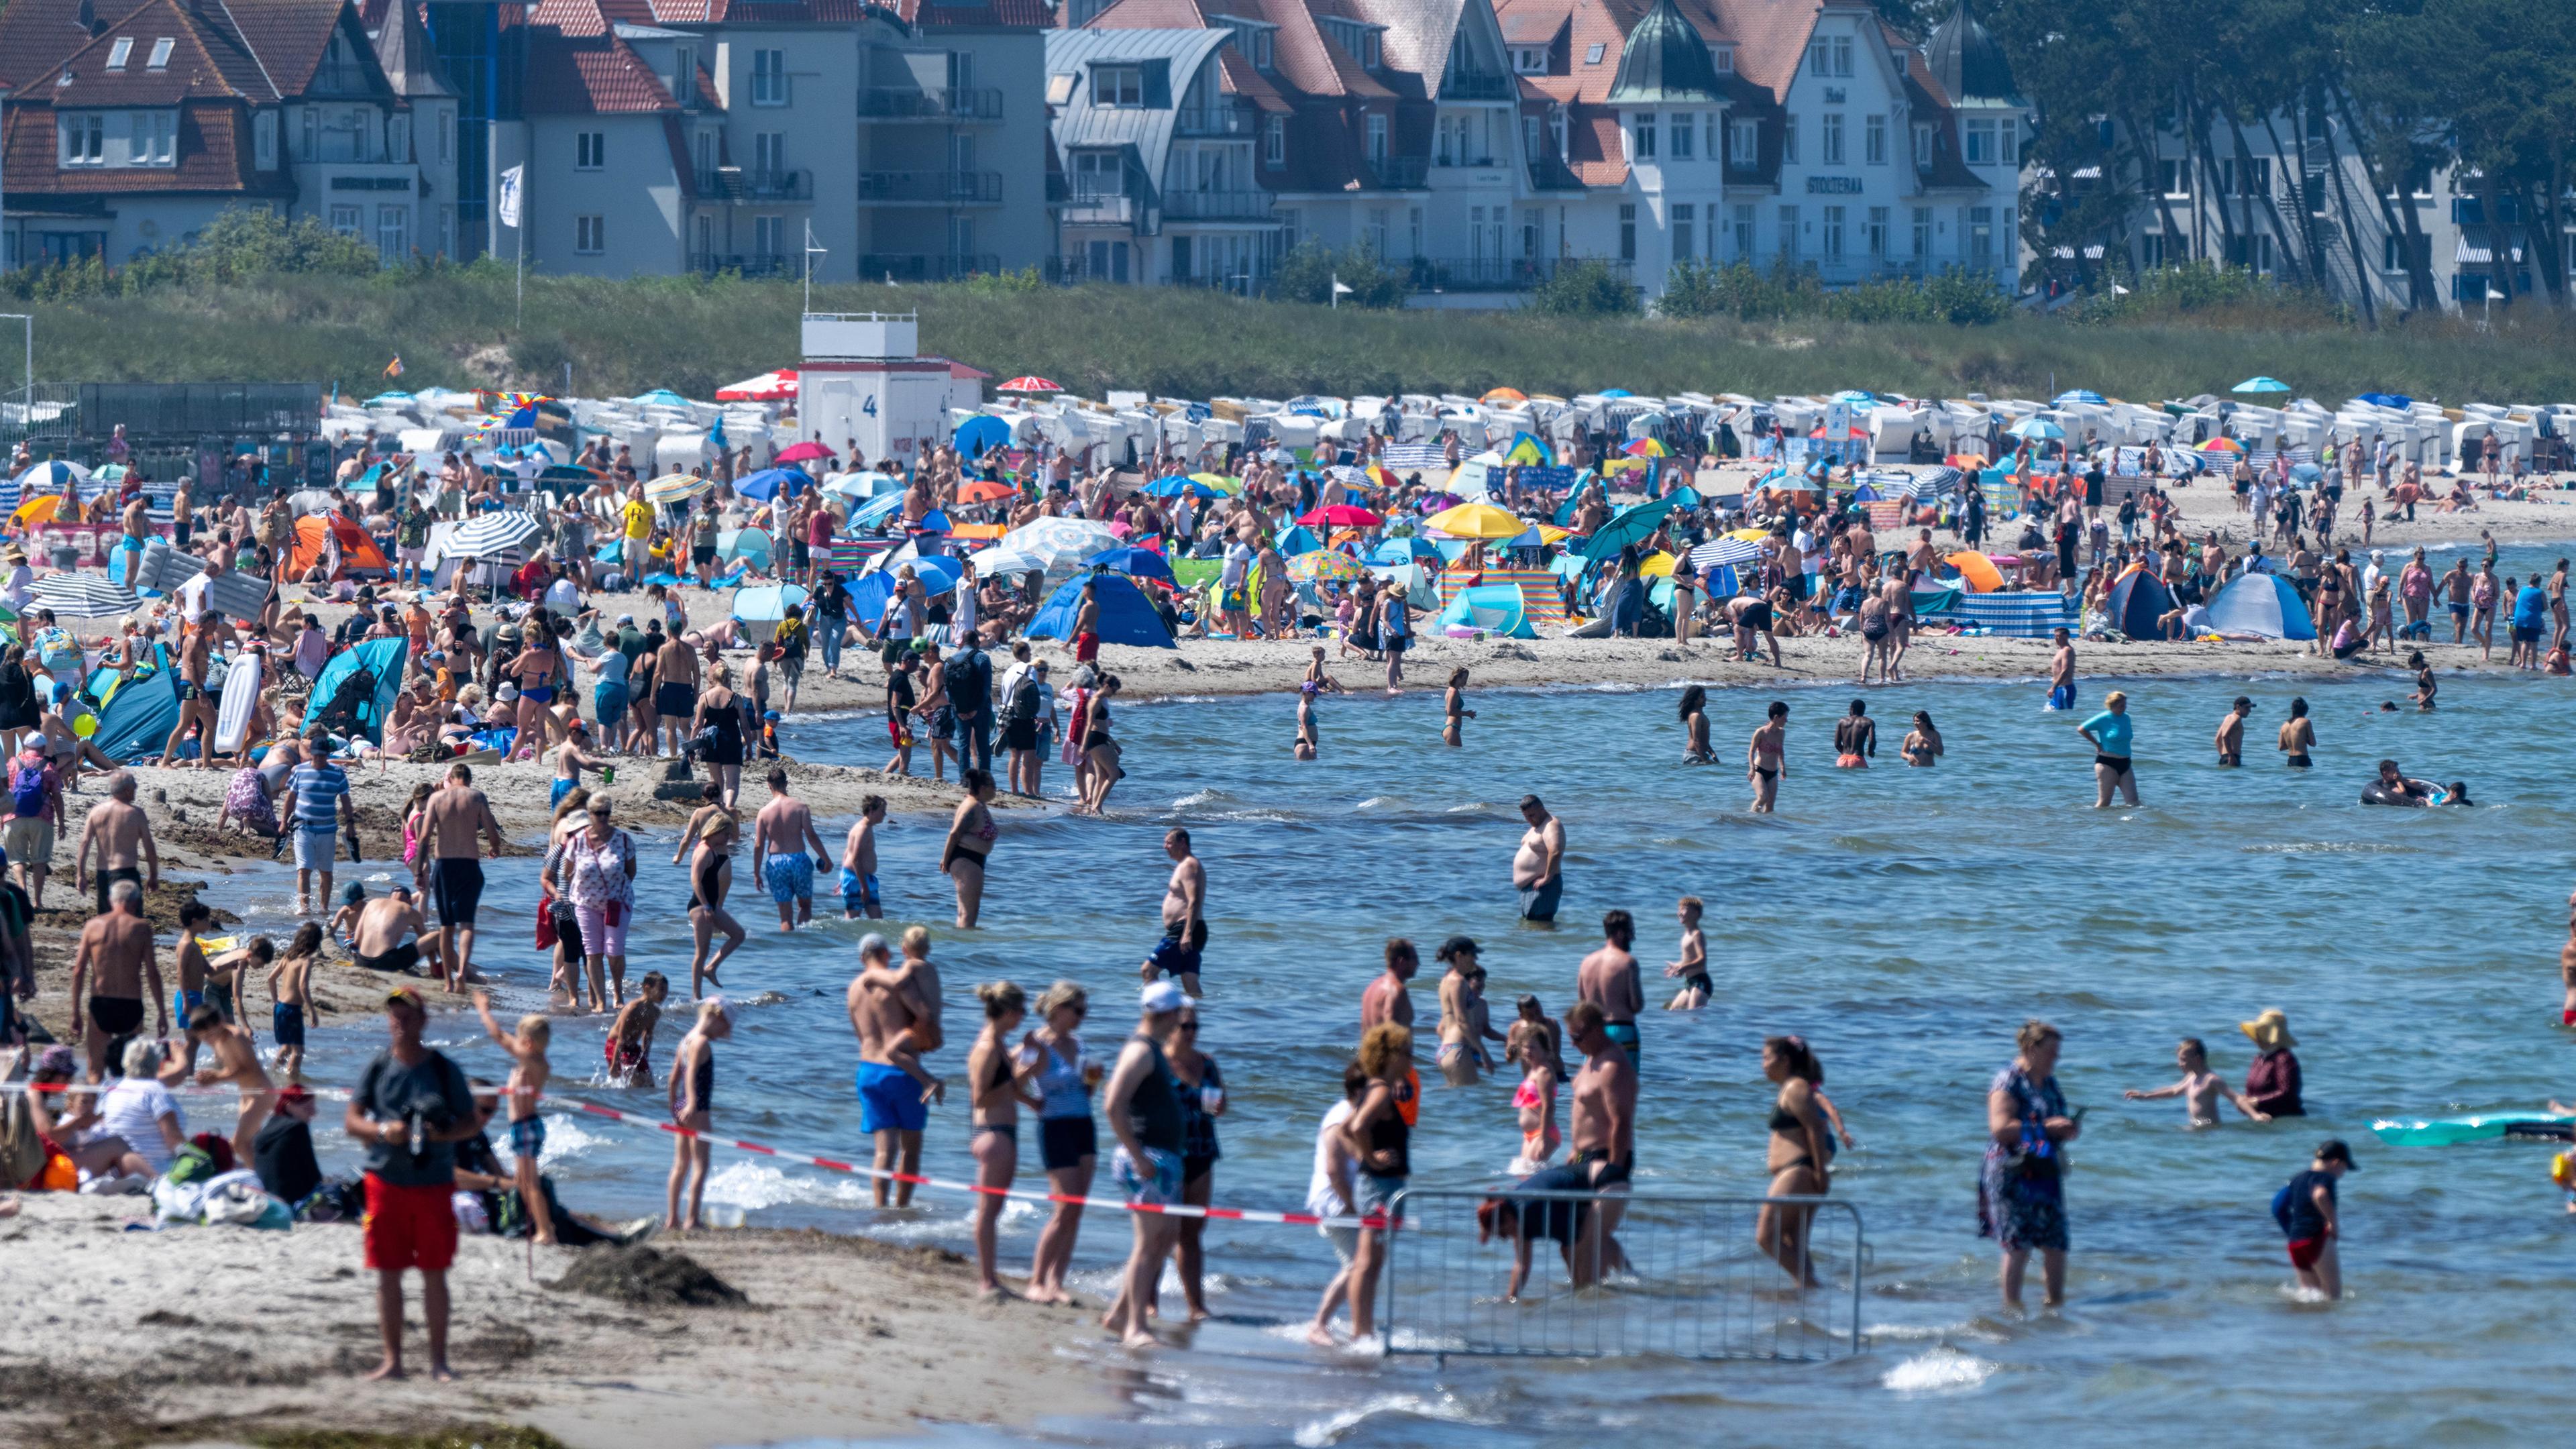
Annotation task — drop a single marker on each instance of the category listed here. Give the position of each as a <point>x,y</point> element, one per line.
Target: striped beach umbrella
<point>82,596</point>
<point>490,534</point>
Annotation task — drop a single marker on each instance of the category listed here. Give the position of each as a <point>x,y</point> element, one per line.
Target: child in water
<point>1535,1102</point>
<point>1693,966</point>
<point>2200,1088</point>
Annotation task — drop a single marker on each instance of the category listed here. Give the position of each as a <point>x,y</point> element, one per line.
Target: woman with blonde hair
<point>1068,1141</point>
<point>997,1093</point>
<point>2022,1199</point>
<point>1380,1142</point>
<point>693,1096</point>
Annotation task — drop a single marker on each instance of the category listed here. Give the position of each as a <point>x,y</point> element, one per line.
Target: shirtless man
<point>2200,1088</point>
<point>1748,615</point>
<point>2298,736</point>
<point>2231,733</point>
<point>1919,559</point>
<point>1602,1133</point>
<point>1608,980</point>
<point>572,757</point>
<point>455,813</point>
<point>196,707</point>
<point>1766,758</point>
<point>390,935</point>
<point>859,893</point>
<point>236,1064</point>
<point>1184,916</point>
<point>2061,674</point>
<point>1538,867</point>
<point>1900,625</point>
<point>1385,997</point>
<point>886,1002</point>
<point>779,836</point>
<point>117,948</point>
<point>122,834</point>
<point>675,693</point>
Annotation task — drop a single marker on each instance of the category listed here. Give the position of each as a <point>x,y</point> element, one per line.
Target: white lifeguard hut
<point>865,388</point>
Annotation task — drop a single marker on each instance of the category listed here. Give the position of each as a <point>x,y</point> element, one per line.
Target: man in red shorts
<point>411,1108</point>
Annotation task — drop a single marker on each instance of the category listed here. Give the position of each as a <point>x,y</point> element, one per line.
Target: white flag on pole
<point>1340,287</point>
<point>510,196</point>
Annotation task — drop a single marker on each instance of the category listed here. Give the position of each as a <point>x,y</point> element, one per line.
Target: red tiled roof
<point>213,152</point>
<point>194,69</point>
<point>1252,85</point>
<point>1595,152</point>
<point>594,74</point>
<point>290,36</point>
<point>977,14</point>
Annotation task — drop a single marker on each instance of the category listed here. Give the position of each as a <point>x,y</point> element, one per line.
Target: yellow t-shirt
<point>639,519</point>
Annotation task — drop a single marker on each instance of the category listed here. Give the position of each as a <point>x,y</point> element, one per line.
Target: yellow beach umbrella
<point>1476,520</point>
<point>38,510</point>
<point>1656,566</point>
<point>1219,482</point>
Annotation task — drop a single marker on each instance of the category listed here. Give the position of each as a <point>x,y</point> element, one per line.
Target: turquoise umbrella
<point>2261,384</point>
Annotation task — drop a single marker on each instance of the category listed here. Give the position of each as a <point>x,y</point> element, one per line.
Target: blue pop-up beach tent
<point>1494,608</point>
<point>1125,615</point>
<point>135,717</point>
<point>381,658</point>
<point>2137,601</point>
<point>2264,604</point>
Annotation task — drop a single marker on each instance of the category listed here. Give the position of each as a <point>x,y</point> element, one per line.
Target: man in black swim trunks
<point>455,814</point>
<point>115,958</point>
<point>1602,1132</point>
<point>388,937</point>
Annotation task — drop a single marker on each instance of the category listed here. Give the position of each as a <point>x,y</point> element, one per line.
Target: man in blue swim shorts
<point>1178,956</point>
<point>779,838</point>
<point>895,1010</point>
<point>2061,674</point>
<point>1608,979</point>
<point>859,896</point>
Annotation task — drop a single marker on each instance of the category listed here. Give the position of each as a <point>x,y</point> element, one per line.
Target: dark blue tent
<point>139,714</point>
<point>980,433</point>
<point>1125,615</point>
<point>380,658</point>
<point>2138,600</point>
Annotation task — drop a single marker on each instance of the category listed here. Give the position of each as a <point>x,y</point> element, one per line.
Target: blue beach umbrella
<point>1141,563</point>
<point>876,510</point>
<point>2261,384</point>
<point>1176,485</point>
<point>2397,400</point>
<point>1126,617</point>
<point>2080,395</point>
<point>2037,428</point>
<point>659,397</point>
<point>768,483</point>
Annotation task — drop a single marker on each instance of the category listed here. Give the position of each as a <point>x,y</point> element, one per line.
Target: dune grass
<point>456,328</point>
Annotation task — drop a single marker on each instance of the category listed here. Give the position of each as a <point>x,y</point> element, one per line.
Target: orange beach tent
<point>359,556</point>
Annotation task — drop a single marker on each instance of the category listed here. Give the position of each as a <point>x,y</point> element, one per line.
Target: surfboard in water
<point>2477,1127</point>
<point>241,694</point>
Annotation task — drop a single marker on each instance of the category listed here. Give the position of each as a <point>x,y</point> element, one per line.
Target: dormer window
<point>1117,85</point>
<point>117,53</point>
<point>1369,54</point>
<point>1529,59</point>
<point>1261,54</point>
<point>161,49</point>
<point>1723,58</point>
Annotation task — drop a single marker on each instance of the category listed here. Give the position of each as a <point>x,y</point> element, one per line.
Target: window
<point>1641,137</point>
<point>1876,237</point>
<point>1377,230</point>
<point>2151,250</point>
<point>1981,142</point>
<point>589,150</point>
<point>155,138</point>
<point>1261,55</point>
<point>2318,188</point>
<point>1627,232</point>
<point>1710,150</point>
<point>2392,253</point>
<point>1369,49</point>
<point>446,123</point>
<point>1117,85</point>
<point>2177,177</point>
<point>1981,235</point>
<point>1274,141</point>
<point>1833,234</point>
<point>1744,231</point>
<point>346,220</point>
<point>1743,142</point>
<point>1842,55</point>
<point>1529,59</point>
<point>1287,227</point>
<point>82,138</point>
<point>1830,139</point>
<point>769,77</point>
<point>589,235</point>
<point>1923,148</point>
<point>1873,140</point>
<point>2253,180</point>
<point>1592,53</point>
<point>1922,233</point>
<point>1789,139</point>
<point>1414,237</point>
<point>769,236</point>
<point>311,150</point>
<point>1684,214</point>
<point>1376,131</point>
<point>117,53</point>
<point>1723,58</point>
<point>1685,126</point>
<point>393,235</point>
<point>1788,233</point>
<point>961,70</point>
<point>2008,142</point>
<point>2254,253</point>
<point>684,78</point>
<point>1533,231</point>
<point>263,140</point>
<point>1097,173</point>
<point>1819,57</point>
<point>161,49</point>
<point>398,138</point>
<point>769,159</point>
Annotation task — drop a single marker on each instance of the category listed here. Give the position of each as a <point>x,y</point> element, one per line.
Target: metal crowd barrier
<point>1686,1279</point>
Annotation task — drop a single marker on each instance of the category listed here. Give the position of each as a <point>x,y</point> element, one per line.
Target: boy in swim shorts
<point>859,895</point>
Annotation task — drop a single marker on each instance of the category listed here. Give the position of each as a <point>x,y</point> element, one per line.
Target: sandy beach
<point>199,1334</point>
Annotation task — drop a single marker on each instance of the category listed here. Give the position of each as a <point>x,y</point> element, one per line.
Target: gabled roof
<point>1306,54</point>
<point>206,61</point>
<point>214,155</point>
<point>1417,34</point>
<point>1770,38</point>
<point>290,36</point>
<point>257,50</point>
<point>578,66</point>
<point>403,49</point>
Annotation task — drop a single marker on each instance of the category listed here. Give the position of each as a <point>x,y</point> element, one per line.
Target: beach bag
<point>27,789</point>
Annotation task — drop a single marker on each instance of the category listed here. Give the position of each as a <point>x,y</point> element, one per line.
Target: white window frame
<point>263,140</point>
<point>1978,140</point>
<point>590,235</point>
<point>1875,233</point>
<point>1922,146</point>
<point>161,48</point>
<point>1873,140</point>
<point>1842,56</point>
<point>2008,142</point>
<point>1685,216</point>
<point>590,151</point>
<point>1681,128</point>
<point>1374,132</point>
<point>1119,86</point>
<point>118,51</point>
<point>1641,136</point>
<point>1722,58</point>
<point>1831,248</point>
<point>769,77</point>
<point>1743,142</point>
<point>1274,141</point>
<point>1829,139</point>
<point>393,233</point>
<point>1789,140</point>
<point>80,139</point>
<point>1922,234</point>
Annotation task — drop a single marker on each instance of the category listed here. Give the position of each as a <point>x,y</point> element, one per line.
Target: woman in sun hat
<point>2272,1082</point>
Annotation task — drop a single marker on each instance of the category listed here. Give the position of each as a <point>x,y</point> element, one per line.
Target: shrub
<point>1704,289</point>
<point>1307,274</point>
<point>1585,288</point>
<point>239,245</point>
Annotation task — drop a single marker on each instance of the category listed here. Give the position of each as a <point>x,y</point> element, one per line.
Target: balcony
<point>1466,86</point>
<point>931,188</point>
<point>938,103</point>
<point>1212,121</point>
<point>1216,206</point>
<point>925,267</point>
<point>1100,208</point>
<point>1401,173</point>
<point>733,183</point>
<point>748,264</point>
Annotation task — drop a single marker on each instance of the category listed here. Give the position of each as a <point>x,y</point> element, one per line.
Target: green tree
<point>1587,287</point>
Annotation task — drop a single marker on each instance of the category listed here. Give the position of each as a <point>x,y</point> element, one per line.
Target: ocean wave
<point>1332,1428</point>
<point>1938,1371</point>
<point>2326,847</point>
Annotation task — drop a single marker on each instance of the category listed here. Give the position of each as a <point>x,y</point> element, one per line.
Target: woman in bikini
<point>1099,752</point>
<point>1923,742</point>
<point>540,671</point>
<point>1694,717</point>
<point>1454,704</point>
<point>714,829</point>
<point>999,1092</point>
<point>1800,1155</point>
<point>970,841</point>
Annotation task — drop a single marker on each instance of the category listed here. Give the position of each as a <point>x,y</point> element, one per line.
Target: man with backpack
<point>970,695</point>
<point>2305,1209</point>
<point>35,815</point>
<point>1025,700</point>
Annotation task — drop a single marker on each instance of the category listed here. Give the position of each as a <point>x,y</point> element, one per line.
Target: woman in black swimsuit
<point>1694,717</point>
<point>1099,752</point>
<point>1801,1151</point>
<point>693,1098</point>
<point>720,710</point>
<point>996,1139</point>
<point>714,829</point>
<point>970,841</point>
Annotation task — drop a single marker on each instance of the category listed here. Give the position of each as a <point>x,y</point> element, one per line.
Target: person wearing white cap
<point>1143,1107</point>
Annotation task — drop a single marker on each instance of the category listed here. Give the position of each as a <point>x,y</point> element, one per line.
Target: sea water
<point>1904,921</point>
